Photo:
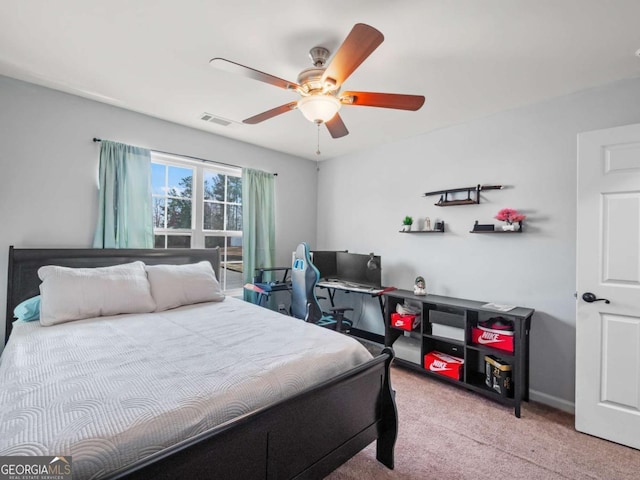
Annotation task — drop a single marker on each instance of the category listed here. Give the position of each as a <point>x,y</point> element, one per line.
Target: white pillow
<point>176,285</point>
<point>76,293</point>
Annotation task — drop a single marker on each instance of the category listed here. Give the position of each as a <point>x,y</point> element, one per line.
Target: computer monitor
<point>325,261</point>
<point>352,267</point>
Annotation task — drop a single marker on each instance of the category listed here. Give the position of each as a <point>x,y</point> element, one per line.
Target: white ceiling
<point>469,58</point>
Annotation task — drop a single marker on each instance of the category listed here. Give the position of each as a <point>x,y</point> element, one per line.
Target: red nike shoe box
<point>405,322</point>
<point>493,339</point>
<point>443,364</point>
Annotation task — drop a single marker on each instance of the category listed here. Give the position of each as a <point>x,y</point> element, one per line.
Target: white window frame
<point>197,231</point>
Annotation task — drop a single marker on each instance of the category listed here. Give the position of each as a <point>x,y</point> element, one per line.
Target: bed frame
<point>305,436</point>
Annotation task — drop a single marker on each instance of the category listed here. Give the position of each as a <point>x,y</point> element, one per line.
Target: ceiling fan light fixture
<point>319,108</point>
<point>330,85</point>
<point>319,86</point>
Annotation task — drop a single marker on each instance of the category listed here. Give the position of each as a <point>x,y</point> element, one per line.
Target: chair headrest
<point>301,256</point>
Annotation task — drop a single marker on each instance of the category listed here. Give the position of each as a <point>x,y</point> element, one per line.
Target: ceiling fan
<point>319,86</point>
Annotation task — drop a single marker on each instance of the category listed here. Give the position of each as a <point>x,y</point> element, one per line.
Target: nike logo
<point>485,341</point>
<point>488,337</point>
<point>434,368</point>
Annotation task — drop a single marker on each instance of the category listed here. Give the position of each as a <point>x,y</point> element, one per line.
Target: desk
<point>332,285</point>
<point>265,289</point>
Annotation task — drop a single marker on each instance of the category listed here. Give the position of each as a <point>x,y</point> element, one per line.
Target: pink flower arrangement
<point>510,216</point>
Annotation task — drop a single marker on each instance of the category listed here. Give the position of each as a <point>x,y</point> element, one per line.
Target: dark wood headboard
<point>23,281</point>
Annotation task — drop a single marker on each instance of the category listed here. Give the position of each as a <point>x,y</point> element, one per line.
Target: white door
<point>608,266</point>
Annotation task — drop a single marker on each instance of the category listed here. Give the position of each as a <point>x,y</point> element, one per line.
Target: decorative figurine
<point>427,224</point>
<point>420,287</point>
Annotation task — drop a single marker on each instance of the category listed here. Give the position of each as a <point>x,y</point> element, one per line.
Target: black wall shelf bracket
<point>473,195</point>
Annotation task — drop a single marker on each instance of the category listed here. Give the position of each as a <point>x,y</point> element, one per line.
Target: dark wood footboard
<point>306,436</point>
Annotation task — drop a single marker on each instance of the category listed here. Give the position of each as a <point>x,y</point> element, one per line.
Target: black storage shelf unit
<point>444,339</point>
<point>469,313</point>
<point>492,351</point>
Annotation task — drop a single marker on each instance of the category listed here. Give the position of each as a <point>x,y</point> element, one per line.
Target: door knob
<point>590,298</point>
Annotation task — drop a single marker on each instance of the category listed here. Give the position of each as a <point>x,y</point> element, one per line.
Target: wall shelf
<point>425,231</point>
<point>518,230</point>
<point>473,195</point>
<point>494,231</point>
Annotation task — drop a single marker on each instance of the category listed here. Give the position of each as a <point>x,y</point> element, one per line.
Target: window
<point>199,205</point>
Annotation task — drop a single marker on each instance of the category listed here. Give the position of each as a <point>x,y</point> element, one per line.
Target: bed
<point>304,422</point>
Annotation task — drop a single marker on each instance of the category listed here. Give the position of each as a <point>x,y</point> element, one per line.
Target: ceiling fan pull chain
<point>318,150</point>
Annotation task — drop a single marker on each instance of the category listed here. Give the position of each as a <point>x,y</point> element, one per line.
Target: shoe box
<point>496,332</point>
<point>443,364</point>
<point>498,376</point>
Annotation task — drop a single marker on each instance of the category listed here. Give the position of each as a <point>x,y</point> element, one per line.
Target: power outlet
<point>281,308</point>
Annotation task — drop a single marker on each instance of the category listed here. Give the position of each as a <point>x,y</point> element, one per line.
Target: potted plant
<point>510,216</point>
<point>406,223</point>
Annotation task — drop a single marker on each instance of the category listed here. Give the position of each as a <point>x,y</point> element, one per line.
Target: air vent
<point>208,117</point>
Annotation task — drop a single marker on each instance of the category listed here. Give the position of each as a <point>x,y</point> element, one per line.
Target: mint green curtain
<point>258,224</point>
<point>124,215</point>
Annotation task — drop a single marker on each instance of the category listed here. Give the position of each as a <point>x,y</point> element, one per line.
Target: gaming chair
<point>304,303</point>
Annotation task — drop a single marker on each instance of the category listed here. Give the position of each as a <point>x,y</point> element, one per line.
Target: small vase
<point>406,228</point>
<point>509,227</point>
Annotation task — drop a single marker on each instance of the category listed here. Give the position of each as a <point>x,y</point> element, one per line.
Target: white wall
<point>49,169</point>
<point>48,198</point>
<point>532,150</point>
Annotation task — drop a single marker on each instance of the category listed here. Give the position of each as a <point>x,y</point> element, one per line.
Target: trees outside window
<point>199,205</point>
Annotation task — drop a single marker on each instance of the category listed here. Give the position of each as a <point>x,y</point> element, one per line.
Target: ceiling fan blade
<point>337,127</point>
<point>239,69</point>
<point>261,117</point>
<point>383,100</point>
<point>359,44</point>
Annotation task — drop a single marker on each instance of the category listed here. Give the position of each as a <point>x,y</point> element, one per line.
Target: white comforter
<point>111,390</point>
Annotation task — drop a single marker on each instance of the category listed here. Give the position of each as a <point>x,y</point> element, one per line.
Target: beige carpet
<point>449,433</point>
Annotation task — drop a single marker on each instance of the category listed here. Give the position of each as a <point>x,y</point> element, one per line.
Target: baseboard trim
<point>555,402</point>
<point>372,337</point>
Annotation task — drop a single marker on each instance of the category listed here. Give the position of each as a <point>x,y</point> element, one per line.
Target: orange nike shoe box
<point>493,339</point>
<point>405,322</point>
<point>443,364</point>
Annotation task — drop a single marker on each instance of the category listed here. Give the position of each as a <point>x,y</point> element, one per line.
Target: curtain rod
<point>95,139</point>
